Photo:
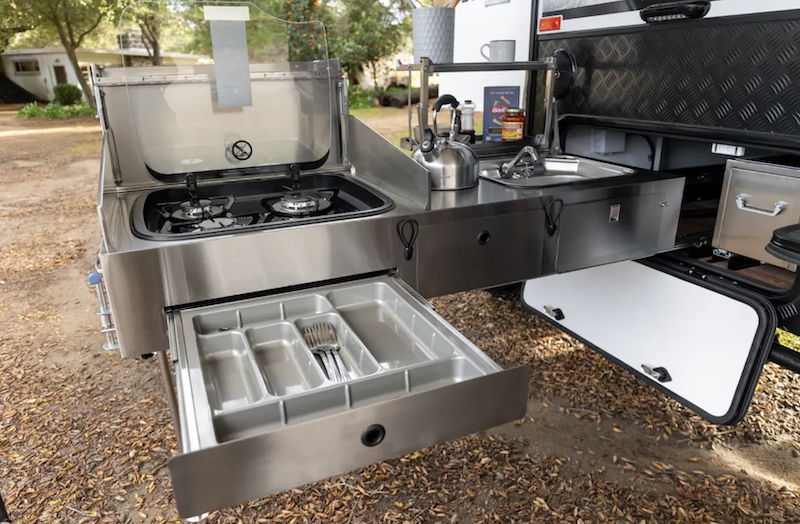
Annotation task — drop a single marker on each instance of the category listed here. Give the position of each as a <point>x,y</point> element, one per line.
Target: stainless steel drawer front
<point>608,231</point>
<point>260,413</point>
<point>500,250</point>
<point>756,200</point>
<point>246,469</point>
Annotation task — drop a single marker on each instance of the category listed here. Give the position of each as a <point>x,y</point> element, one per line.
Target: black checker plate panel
<point>743,77</point>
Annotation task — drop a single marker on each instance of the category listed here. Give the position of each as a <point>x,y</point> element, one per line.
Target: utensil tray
<point>409,372</point>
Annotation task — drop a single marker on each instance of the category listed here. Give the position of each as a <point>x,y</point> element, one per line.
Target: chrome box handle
<point>741,203</point>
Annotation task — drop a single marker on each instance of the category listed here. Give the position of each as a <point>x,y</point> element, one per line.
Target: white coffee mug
<point>499,51</point>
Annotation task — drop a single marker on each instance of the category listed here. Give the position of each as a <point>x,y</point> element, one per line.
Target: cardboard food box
<point>495,102</point>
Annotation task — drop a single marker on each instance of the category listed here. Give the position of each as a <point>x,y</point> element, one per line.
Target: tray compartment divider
<point>230,373</point>
<point>284,360</point>
<point>394,331</point>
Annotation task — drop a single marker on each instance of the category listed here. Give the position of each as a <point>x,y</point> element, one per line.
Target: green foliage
<point>71,20</point>
<point>365,32</point>
<point>31,110</point>
<point>67,94</point>
<point>306,33</point>
<point>360,99</point>
<point>81,110</point>
<point>270,39</point>
<point>55,111</point>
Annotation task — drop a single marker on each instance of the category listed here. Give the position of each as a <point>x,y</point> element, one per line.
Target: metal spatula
<point>322,340</point>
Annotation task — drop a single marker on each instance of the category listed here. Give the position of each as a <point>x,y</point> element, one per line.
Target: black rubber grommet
<point>373,435</point>
<point>483,237</point>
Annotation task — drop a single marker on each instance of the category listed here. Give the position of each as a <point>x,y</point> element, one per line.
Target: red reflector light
<point>551,23</point>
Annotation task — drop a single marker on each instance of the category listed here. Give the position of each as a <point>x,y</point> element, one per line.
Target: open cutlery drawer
<point>261,412</point>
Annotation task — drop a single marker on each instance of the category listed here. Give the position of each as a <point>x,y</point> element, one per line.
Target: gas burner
<point>223,208</point>
<point>192,210</point>
<point>302,202</point>
<point>211,223</point>
<point>214,223</point>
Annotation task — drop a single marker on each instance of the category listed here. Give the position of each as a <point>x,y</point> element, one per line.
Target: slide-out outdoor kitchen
<point>276,254</point>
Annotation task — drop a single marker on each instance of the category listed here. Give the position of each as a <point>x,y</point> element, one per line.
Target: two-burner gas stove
<point>221,208</point>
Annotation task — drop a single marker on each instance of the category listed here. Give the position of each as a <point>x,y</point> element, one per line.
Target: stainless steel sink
<point>558,170</point>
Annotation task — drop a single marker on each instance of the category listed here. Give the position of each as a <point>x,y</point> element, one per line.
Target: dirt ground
<point>85,435</point>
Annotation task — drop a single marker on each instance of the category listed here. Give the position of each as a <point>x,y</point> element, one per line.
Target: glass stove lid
<point>218,87</point>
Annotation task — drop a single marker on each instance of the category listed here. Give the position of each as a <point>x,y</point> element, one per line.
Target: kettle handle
<point>445,100</point>
<point>442,101</point>
<point>427,141</point>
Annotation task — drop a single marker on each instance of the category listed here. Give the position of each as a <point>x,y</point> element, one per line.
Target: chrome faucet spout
<point>525,151</point>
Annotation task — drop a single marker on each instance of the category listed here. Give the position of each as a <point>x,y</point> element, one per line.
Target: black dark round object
<point>242,150</point>
<point>566,71</point>
<point>373,435</point>
<point>484,237</point>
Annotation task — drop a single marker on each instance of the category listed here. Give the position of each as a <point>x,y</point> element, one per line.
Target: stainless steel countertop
<point>486,199</point>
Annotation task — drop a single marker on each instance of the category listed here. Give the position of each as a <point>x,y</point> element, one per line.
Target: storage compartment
<point>756,200</point>
<point>396,335</point>
<point>284,360</point>
<point>229,371</point>
<point>247,378</point>
<point>698,340</point>
<point>500,249</point>
<point>608,231</point>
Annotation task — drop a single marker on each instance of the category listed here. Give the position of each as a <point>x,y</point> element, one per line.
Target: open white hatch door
<point>698,341</point>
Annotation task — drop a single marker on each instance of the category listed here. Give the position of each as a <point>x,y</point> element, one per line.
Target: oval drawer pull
<point>741,203</point>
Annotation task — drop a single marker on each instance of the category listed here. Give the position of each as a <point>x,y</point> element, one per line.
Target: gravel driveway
<point>85,435</point>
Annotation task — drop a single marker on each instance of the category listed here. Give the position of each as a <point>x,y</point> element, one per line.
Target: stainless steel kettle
<point>452,165</point>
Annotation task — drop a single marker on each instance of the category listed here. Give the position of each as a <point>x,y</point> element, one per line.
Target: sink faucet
<point>530,151</point>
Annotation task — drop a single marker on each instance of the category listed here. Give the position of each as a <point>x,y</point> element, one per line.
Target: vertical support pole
<point>172,399</point>
<point>549,103</point>
<point>411,138</point>
<point>422,107</point>
<point>95,278</point>
<point>344,111</point>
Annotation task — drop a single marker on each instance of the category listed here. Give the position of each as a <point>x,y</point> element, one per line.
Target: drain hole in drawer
<point>285,363</point>
<point>215,322</point>
<point>228,373</point>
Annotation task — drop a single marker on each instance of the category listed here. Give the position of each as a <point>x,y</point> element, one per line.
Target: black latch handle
<point>408,230</point>
<point>660,373</point>
<point>554,312</point>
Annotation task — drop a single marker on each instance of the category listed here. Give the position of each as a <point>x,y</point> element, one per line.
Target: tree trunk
<point>70,46</point>
<point>150,35</point>
<point>87,89</point>
<point>374,67</point>
<point>156,53</point>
